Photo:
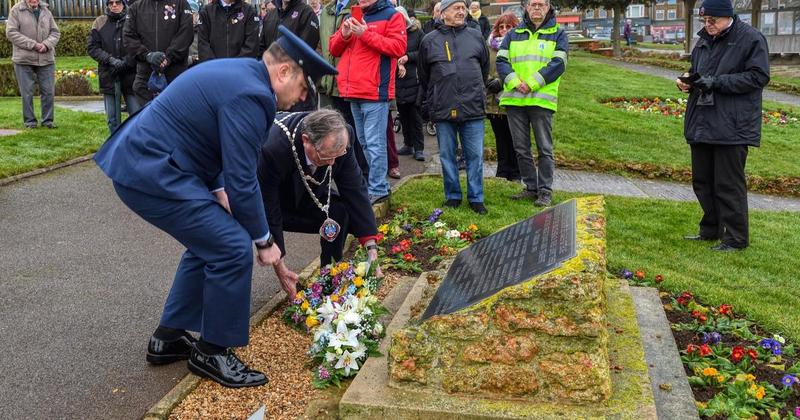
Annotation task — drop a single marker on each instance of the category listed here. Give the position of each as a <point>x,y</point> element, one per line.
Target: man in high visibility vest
<point>530,63</point>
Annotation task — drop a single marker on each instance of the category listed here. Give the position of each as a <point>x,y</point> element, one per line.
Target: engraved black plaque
<point>508,257</point>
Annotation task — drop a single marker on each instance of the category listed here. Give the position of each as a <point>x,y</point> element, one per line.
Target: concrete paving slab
<point>7,132</point>
<point>590,182</point>
<point>674,397</point>
<point>94,106</point>
<point>665,190</point>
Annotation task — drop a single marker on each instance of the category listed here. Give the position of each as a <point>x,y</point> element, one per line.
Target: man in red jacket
<point>369,49</point>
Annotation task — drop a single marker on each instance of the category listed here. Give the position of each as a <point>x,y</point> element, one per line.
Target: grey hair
<point>320,124</point>
<point>525,2</point>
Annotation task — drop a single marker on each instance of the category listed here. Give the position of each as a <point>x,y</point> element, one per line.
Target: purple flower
<point>770,344</point>
<point>316,289</point>
<point>789,380</point>
<point>323,373</point>
<point>435,215</point>
<point>407,227</point>
<point>797,411</point>
<point>712,338</point>
<point>625,274</point>
<point>296,318</point>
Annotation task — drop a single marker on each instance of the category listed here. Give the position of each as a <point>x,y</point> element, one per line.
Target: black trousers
<point>721,188</point>
<point>507,166</point>
<point>411,121</point>
<point>309,219</point>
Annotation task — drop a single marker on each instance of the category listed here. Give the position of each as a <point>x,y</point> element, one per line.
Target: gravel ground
<point>279,351</point>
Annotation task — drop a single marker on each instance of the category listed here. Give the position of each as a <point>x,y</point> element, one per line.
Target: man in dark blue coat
<point>186,163</point>
<point>723,118</point>
<point>320,149</point>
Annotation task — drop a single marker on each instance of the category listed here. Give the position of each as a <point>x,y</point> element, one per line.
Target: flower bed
<point>735,369</point>
<point>676,107</point>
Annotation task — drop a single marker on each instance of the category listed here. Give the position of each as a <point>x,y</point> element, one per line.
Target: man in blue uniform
<point>186,163</point>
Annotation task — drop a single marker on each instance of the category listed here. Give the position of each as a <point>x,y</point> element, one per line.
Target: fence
<point>63,9</point>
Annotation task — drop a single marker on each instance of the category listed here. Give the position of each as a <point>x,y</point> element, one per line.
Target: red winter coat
<point>368,64</point>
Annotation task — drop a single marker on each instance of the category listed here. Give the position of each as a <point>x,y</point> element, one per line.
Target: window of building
<point>590,14</point>
<point>785,23</point>
<point>797,23</point>
<point>602,14</point>
<point>746,18</point>
<point>672,1</point>
<point>672,14</point>
<point>635,11</point>
<point>768,23</point>
<point>659,14</point>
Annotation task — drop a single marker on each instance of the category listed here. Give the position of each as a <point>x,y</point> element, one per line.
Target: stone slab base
<point>370,397</point>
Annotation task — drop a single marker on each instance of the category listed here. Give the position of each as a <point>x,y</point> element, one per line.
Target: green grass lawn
<point>585,130</point>
<point>654,46</point>
<point>761,281</point>
<point>78,133</point>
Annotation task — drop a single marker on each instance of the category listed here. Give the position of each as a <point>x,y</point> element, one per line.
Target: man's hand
<point>682,86</point>
<point>402,60</point>
<point>494,86</point>
<point>288,278</point>
<point>523,88</point>
<point>269,256</point>
<point>157,58</point>
<point>41,48</point>
<point>372,257</point>
<point>705,83</point>
<point>346,29</point>
<point>222,199</point>
<point>401,71</point>
<point>357,27</point>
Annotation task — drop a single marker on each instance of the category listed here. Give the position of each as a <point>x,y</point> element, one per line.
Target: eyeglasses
<point>537,5</point>
<point>504,26</point>
<point>708,20</point>
<point>324,158</point>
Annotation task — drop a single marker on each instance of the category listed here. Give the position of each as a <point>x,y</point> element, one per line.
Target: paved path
<point>785,98</point>
<point>82,283</point>
<point>601,183</point>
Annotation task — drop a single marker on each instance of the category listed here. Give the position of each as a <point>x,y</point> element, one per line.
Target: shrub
<point>5,44</point>
<point>74,36</point>
<point>8,81</point>
<point>73,85</point>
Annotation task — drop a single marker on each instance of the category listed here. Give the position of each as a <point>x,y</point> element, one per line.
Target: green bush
<point>72,42</point>
<point>8,81</point>
<point>73,38</point>
<point>73,85</point>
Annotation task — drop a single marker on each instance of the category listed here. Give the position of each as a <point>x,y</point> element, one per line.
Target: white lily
<point>348,361</point>
<point>344,337</point>
<point>352,317</point>
<point>328,311</point>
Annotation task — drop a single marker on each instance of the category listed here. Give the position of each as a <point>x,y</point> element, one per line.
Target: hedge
<point>72,43</point>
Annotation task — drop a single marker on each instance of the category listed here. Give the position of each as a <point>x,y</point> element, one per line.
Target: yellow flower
<point>304,305</point>
<point>361,269</point>
<point>710,371</point>
<point>749,378</point>
<point>300,295</point>
<point>720,379</point>
<point>383,228</point>
<point>334,272</point>
<point>343,266</point>
<point>311,322</point>
<point>761,393</point>
<point>358,281</point>
<point>753,388</point>
<point>361,293</point>
<point>334,297</point>
<point>473,227</point>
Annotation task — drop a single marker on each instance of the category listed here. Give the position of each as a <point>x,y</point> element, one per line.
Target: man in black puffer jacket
<point>114,66</point>
<point>408,91</point>
<point>158,33</point>
<point>226,30</point>
<point>453,67</point>
<point>723,118</point>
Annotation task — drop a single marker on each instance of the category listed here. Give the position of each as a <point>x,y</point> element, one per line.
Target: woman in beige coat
<point>34,34</point>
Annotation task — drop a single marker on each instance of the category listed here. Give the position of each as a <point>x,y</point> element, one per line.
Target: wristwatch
<point>266,243</point>
<point>371,247</point>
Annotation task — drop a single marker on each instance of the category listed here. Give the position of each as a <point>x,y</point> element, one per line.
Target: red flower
<point>405,244</point>
<point>417,232</point>
<point>396,249</point>
<point>408,257</point>
<point>445,250</point>
<point>705,350</point>
<point>691,349</point>
<point>752,354</point>
<point>726,310</point>
<point>737,354</point>
<point>639,274</point>
<point>685,298</point>
<point>379,237</point>
<point>659,278</point>
<point>466,235</point>
<point>699,316</point>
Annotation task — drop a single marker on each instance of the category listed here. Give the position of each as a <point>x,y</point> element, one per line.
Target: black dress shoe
<point>226,369</point>
<point>452,203</point>
<point>161,352</point>
<point>723,247</point>
<point>405,151</point>
<point>478,207</point>
<point>699,238</point>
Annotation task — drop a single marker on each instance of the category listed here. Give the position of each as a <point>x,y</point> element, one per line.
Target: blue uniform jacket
<point>204,131</point>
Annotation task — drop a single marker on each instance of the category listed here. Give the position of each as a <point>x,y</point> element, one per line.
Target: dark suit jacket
<point>204,131</point>
<point>283,190</point>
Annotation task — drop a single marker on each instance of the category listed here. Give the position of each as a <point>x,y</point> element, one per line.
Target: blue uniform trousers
<point>211,289</point>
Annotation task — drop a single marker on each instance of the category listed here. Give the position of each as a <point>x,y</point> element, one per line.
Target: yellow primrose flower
<point>300,295</point>
<point>383,228</point>
<point>311,322</point>
<point>753,388</point>
<point>334,297</point>
<point>358,281</point>
<point>749,378</point>
<point>720,379</point>
<point>710,371</point>
<point>473,227</point>
<point>343,266</point>
<point>304,305</point>
<point>760,393</point>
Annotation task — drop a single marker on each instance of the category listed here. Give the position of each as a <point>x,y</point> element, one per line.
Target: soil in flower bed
<point>278,350</point>
<point>762,371</point>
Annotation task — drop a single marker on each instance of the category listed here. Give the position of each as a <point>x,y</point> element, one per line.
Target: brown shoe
<point>394,173</point>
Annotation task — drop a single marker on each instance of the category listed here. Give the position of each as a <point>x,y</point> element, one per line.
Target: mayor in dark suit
<point>186,163</point>
<point>303,153</point>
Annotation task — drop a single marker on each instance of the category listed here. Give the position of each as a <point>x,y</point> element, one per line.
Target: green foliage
<point>5,44</point>
<point>73,39</point>
<point>8,80</point>
<point>73,85</point>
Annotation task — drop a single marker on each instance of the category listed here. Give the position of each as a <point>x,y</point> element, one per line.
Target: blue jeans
<point>370,118</point>
<point>471,133</point>
<point>114,120</point>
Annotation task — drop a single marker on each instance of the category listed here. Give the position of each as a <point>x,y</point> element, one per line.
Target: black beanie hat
<point>717,8</point>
